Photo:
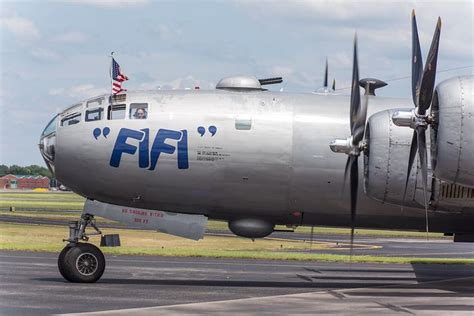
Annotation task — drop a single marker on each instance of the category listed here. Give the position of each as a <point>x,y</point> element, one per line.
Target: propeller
<point>422,87</point>
<point>353,145</point>
<point>326,77</point>
<point>325,88</point>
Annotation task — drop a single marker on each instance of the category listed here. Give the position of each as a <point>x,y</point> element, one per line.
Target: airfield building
<point>11,181</point>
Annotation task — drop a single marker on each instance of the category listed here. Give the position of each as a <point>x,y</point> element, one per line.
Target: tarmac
<point>150,285</point>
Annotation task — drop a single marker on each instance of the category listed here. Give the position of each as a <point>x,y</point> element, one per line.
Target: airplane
<point>171,160</point>
<point>325,88</point>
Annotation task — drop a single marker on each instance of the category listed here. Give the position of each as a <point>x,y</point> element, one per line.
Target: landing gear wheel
<point>81,263</point>
<point>61,262</point>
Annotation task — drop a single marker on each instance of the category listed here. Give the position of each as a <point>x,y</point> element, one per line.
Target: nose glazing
<point>47,143</point>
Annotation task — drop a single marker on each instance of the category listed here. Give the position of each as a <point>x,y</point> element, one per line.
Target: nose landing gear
<point>81,262</point>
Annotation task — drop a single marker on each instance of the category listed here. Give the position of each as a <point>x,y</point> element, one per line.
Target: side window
<point>138,111</point>
<point>243,123</point>
<point>116,112</point>
<point>94,114</point>
<point>71,119</point>
<point>95,102</point>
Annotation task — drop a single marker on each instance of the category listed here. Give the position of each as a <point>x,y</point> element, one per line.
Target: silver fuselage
<point>268,157</point>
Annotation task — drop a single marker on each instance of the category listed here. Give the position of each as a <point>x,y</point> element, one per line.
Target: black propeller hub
<point>371,84</point>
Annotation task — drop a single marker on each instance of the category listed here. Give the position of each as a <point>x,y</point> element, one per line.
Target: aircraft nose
<point>48,142</point>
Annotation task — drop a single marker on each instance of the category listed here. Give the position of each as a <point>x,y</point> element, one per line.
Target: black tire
<point>82,263</point>
<point>61,261</point>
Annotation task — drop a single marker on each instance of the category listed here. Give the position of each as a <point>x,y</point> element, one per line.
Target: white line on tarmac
<point>149,310</point>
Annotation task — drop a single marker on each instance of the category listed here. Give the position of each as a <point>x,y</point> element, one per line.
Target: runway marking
<point>433,253</point>
<point>304,277</point>
<point>395,308</point>
<point>155,308</point>
<point>319,242</point>
<point>335,293</point>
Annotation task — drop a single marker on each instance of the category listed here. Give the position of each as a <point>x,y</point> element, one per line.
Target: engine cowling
<point>452,137</point>
<point>386,162</point>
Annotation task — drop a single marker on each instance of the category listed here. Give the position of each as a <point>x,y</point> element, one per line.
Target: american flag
<point>117,77</point>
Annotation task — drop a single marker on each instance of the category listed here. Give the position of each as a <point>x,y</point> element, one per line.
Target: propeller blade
<point>354,190</point>
<point>362,117</point>
<point>423,160</point>
<point>417,62</point>
<point>429,73</point>
<point>326,75</point>
<point>334,85</point>
<point>422,153</point>
<point>355,92</point>
<point>411,159</point>
<point>346,172</point>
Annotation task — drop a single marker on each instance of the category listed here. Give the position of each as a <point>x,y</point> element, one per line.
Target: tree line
<point>33,170</point>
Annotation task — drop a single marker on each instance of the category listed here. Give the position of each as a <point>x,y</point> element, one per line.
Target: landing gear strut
<point>81,262</point>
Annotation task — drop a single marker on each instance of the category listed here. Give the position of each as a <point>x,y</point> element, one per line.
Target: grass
<point>42,195</point>
<point>134,242</point>
<point>52,205</point>
<point>41,200</point>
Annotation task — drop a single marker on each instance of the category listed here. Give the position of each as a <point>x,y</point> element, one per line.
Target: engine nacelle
<point>386,162</point>
<point>251,227</point>
<point>452,137</point>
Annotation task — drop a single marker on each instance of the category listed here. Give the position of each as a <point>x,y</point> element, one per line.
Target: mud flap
<point>112,240</point>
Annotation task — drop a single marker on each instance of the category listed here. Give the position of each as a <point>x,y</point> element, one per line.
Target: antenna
<point>274,80</point>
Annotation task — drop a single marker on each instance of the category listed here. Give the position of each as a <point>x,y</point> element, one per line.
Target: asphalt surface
<point>398,247</point>
<point>31,285</point>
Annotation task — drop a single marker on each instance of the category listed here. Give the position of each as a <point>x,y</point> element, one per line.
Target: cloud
<point>79,91</point>
<point>329,11</point>
<point>380,20</point>
<point>279,70</point>
<point>166,33</point>
<point>187,82</point>
<point>45,54</point>
<point>111,3</point>
<point>22,28</point>
<point>72,37</point>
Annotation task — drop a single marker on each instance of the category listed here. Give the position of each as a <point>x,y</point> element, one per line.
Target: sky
<point>56,53</point>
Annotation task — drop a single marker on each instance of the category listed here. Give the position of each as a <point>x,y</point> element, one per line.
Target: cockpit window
<point>51,127</point>
<point>138,111</point>
<point>71,119</point>
<point>116,112</point>
<point>94,114</point>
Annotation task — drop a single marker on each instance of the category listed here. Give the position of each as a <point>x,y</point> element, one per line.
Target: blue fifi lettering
<point>183,162</point>
<point>143,157</point>
<point>149,159</point>
<point>122,147</point>
<point>159,146</point>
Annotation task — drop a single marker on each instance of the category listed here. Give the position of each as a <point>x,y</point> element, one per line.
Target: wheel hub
<point>87,263</point>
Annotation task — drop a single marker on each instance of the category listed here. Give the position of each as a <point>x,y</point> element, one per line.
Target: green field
<point>68,206</point>
<point>41,201</point>
<point>136,242</point>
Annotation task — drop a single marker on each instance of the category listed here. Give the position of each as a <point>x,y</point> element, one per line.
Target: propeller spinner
<point>353,145</point>
<point>422,84</point>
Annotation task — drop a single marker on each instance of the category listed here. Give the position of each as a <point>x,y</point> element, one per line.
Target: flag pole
<point>110,74</point>
<point>110,70</point>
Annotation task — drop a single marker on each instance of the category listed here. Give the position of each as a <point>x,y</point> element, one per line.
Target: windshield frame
<point>50,127</point>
